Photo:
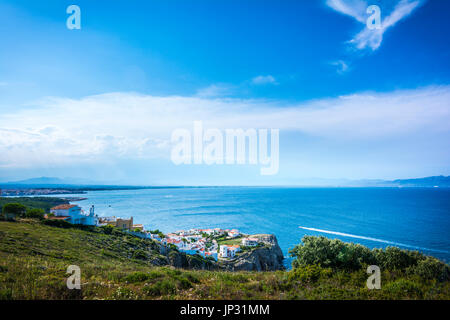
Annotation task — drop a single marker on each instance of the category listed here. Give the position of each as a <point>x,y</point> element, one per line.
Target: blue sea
<point>410,218</point>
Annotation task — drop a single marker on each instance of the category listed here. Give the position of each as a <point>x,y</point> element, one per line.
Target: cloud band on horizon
<point>131,125</point>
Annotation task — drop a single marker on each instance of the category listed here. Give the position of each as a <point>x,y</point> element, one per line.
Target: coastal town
<point>20,192</point>
<point>213,243</point>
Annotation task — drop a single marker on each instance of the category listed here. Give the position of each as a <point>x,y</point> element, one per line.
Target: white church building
<point>74,214</point>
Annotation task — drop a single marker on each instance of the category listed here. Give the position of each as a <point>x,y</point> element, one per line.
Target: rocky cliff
<point>266,257</point>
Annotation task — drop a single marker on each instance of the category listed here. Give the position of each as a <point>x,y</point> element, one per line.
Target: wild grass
<point>34,258</point>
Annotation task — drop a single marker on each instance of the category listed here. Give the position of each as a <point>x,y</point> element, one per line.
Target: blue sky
<point>352,103</point>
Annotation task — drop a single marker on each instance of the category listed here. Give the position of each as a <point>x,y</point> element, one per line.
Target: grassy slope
<point>34,258</point>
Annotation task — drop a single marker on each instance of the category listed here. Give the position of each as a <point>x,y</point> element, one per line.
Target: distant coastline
<point>79,186</point>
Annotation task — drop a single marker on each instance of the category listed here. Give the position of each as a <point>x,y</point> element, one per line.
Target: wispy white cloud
<point>353,8</point>
<point>101,128</point>
<point>216,90</point>
<point>261,80</point>
<point>219,90</point>
<point>341,66</point>
<point>372,38</point>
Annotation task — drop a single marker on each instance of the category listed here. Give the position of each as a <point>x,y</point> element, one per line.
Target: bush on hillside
<point>15,209</point>
<point>431,268</point>
<point>35,213</point>
<point>330,253</point>
<point>339,255</point>
<point>58,223</point>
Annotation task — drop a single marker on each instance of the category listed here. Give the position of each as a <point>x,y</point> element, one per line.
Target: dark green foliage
<point>140,254</point>
<point>35,213</point>
<point>162,287</point>
<point>58,223</point>
<point>431,268</point>
<point>14,210</point>
<point>107,229</point>
<point>308,274</point>
<point>329,253</point>
<point>137,277</point>
<point>159,233</point>
<point>44,203</point>
<point>339,255</point>
<point>192,278</point>
<point>394,258</point>
<point>404,287</point>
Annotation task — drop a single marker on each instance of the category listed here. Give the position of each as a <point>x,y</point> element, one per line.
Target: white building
<point>234,233</point>
<point>226,251</point>
<point>208,231</point>
<point>155,237</point>
<point>73,214</point>
<point>250,242</point>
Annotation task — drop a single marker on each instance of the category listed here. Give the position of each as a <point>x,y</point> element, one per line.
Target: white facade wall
<point>76,217</point>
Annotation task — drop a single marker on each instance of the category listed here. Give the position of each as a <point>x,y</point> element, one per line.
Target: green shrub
<point>331,254</point>
<point>403,288</point>
<point>108,229</point>
<point>58,223</point>
<point>137,277</point>
<point>173,273</point>
<point>140,255</point>
<point>431,268</point>
<point>162,287</point>
<point>308,274</point>
<point>393,258</point>
<point>15,209</point>
<point>340,255</point>
<point>6,294</point>
<point>184,283</point>
<point>233,277</point>
<point>35,213</point>
<point>192,278</point>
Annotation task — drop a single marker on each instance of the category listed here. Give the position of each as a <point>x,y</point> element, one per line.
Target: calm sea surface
<point>411,218</point>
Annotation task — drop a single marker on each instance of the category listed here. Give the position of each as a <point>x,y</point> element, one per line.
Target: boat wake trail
<point>371,239</point>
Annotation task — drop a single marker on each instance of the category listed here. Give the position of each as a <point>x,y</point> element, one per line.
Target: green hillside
<point>44,203</point>
<point>34,258</point>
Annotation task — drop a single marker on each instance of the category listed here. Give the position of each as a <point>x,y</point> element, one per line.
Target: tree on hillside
<point>13,210</point>
<point>35,213</point>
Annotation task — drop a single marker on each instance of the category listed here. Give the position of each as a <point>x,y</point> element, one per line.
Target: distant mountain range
<point>53,181</point>
<point>434,181</point>
<point>49,182</point>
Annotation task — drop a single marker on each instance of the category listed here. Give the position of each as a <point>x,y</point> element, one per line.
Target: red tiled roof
<point>63,207</point>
